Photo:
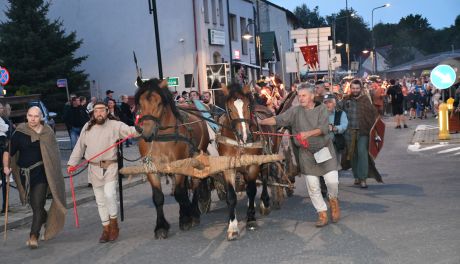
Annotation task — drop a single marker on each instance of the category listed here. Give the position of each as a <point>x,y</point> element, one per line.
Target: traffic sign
<point>4,76</point>
<point>443,76</point>
<point>173,81</point>
<point>61,83</point>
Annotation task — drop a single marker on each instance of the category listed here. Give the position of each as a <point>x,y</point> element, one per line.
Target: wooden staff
<point>7,178</point>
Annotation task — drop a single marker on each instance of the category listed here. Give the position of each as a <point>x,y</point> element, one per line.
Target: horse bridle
<point>233,123</point>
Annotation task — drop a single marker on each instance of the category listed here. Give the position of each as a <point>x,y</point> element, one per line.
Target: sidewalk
<point>21,215</point>
<point>428,134</point>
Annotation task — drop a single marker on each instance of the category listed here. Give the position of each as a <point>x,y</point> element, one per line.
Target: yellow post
<point>444,122</point>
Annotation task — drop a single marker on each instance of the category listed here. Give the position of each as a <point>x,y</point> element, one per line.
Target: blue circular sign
<point>443,76</point>
<point>4,76</point>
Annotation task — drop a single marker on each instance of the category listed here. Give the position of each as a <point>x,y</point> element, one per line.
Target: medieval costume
<point>301,119</point>
<point>361,117</point>
<point>103,170</point>
<point>36,166</point>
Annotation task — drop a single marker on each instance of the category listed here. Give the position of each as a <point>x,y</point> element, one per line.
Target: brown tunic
<point>301,120</point>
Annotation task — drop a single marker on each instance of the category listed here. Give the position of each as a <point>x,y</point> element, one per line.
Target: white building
<point>194,34</point>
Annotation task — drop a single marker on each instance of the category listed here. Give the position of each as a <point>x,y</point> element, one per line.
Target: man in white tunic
<point>97,135</point>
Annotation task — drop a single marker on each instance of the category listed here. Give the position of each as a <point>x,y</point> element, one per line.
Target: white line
<point>428,148</point>
<point>458,153</point>
<point>63,139</point>
<point>448,150</point>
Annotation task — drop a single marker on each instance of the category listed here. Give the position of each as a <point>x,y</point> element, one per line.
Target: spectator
<point>421,104</point>
<point>127,115</point>
<point>4,137</point>
<point>194,95</point>
<point>113,109</point>
<point>75,119</point>
<point>109,96</point>
<point>397,99</point>
<point>90,106</point>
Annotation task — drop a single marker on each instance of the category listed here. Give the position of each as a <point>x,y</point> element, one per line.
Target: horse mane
<point>235,89</point>
<point>153,85</point>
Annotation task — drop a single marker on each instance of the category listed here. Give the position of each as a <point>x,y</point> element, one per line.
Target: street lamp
<point>339,44</point>
<point>374,64</point>
<point>247,36</point>
<point>334,19</point>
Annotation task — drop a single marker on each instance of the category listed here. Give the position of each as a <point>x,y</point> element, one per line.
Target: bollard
<point>450,104</point>
<point>444,122</point>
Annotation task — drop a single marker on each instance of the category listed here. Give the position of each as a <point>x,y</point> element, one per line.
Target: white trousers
<point>314,189</point>
<point>106,200</point>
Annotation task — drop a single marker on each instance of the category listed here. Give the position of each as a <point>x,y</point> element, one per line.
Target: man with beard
<point>97,135</point>
<point>36,166</point>
<point>361,117</point>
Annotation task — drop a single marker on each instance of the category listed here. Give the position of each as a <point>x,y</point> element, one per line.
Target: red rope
<point>72,169</point>
<point>303,142</point>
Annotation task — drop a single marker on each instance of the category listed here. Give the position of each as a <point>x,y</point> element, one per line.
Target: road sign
<point>173,81</point>
<point>4,76</point>
<point>61,83</point>
<point>443,76</point>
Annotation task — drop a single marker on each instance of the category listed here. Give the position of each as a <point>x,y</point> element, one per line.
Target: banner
<point>310,55</point>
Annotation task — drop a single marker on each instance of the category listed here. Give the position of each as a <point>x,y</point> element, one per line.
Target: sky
<point>440,13</point>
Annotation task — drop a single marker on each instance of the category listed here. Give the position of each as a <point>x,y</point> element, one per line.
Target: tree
<point>37,51</point>
<point>309,18</point>
<point>360,37</point>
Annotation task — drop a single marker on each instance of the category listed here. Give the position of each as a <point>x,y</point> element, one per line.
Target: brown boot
<point>105,234</point>
<point>335,209</point>
<point>32,243</point>
<point>322,219</point>
<point>114,230</point>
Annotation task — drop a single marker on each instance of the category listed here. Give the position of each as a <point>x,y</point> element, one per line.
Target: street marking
<point>63,139</point>
<point>416,147</point>
<point>458,153</point>
<point>448,150</point>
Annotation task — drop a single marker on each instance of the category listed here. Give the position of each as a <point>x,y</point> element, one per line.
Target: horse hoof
<point>185,226</point>
<point>276,205</point>
<point>161,234</point>
<point>251,225</point>
<point>264,210</point>
<point>232,235</point>
<point>289,192</point>
<point>195,221</point>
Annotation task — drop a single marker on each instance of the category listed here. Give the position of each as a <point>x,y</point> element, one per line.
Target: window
<point>189,81</point>
<point>251,30</point>
<point>244,42</point>
<point>221,12</point>
<point>214,11</point>
<point>206,11</point>
<point>233,27</point>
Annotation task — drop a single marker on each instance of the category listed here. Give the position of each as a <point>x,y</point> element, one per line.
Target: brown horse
<point>237,138</point>
<point>169,134</point>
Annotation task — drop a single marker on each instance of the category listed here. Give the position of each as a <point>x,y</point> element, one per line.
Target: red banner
<point>310,55</point>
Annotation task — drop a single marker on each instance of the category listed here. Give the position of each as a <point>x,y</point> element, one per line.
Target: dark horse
<point>171,135</point>
<point>237,138</point>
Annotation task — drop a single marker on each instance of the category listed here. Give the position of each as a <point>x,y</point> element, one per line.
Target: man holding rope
<point>99,133</point>
<point>36,165</point>
<point>317,158</point>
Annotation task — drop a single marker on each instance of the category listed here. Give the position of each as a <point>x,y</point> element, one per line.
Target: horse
<point>237,138</point>
<point>170,134</point>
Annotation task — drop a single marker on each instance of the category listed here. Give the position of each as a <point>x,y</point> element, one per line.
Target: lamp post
<point>153,9</point>
<point>247,36</point>
<point>374,63</point>
<point>347,45</point>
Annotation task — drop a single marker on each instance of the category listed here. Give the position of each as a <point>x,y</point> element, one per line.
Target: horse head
<point>153,99</point>
<point>239,104</point>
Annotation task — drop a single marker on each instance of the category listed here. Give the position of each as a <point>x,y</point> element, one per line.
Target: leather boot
<point>32,243</point>
<point>322,219</point>
<point>335,209</point>
<point>105,234</point>
<point>114,230</point>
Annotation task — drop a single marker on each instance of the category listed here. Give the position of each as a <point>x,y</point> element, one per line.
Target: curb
<point>12,224</point>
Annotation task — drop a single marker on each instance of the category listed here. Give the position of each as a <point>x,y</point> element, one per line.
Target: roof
<point>425,62</point>
<point>268,46</point>
<point>288,12</point>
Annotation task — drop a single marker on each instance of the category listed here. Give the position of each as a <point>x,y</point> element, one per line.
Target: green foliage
<point>309,18</point>
<point>411,35</point>
<point>37,51</point>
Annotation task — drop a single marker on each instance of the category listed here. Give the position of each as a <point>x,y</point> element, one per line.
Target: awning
<point>250,65</point>
<point>269,47</point>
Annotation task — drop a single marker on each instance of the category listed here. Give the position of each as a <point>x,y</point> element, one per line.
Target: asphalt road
<point>412,218</point>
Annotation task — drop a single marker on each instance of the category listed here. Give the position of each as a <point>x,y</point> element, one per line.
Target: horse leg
<point>162,226</point>
<point>232,231</point>
<point>185,207</point>
<point>251,191</point>
<point>201,200</point>
<point>264,206</point>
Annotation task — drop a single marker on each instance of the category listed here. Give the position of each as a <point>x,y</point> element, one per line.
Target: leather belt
<point>104,164</point>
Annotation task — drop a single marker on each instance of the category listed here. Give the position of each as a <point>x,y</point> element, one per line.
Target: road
<point>412,218</point>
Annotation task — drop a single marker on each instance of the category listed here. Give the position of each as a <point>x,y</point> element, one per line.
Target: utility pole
<point>347,47</point>
<point>153,10</point>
